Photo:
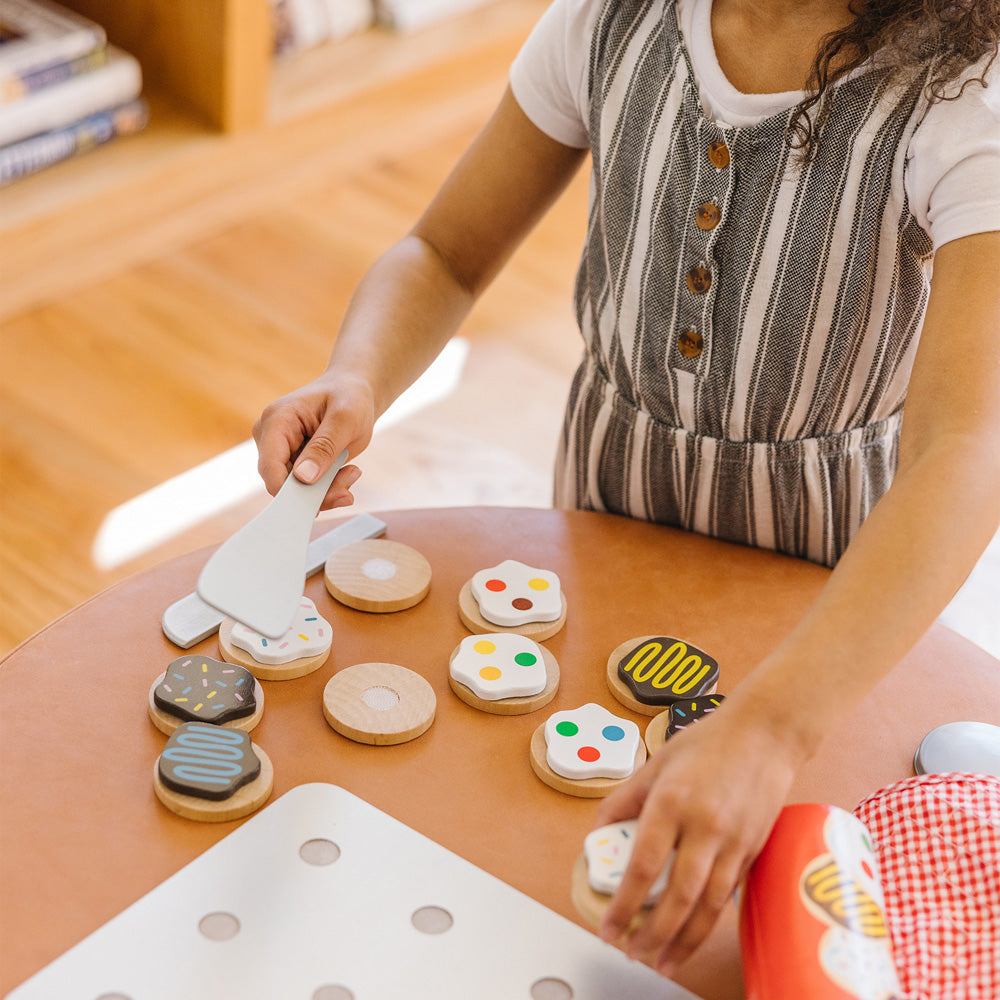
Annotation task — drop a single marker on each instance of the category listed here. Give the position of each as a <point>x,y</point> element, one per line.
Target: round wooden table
<point>82,834</point>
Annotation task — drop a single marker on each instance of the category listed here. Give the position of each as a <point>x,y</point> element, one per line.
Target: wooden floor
<point>148,313</point>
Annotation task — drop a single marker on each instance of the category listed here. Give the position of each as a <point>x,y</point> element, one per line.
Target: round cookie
<point>381,704</point>
<point>212,774</point>
<point>678,716</point>
<point>305,647</point>
<point>668,670</point>
<point>473,620</point>
<point>598,871</point>
<point>590,738</point>
<point>234,699</point>
<point>378,575</point>
<point>507,651</point>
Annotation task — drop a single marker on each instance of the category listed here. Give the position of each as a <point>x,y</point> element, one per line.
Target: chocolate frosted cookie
<point>681,714</point>
<point>650,673</point>
<point>200,689</point>
<point>208,762</point>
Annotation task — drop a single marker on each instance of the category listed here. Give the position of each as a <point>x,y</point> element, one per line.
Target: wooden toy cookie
<point>503,673</point>
<point>513,597</point>
<point>379,703</point>
<point>599,870</point>
<point>678,716</point>
<point>586,751</point>
<point>305,647</point>
<point>199,689</point>
<point>378,575</point>
<point>211,773</point>
<point>648,673</point>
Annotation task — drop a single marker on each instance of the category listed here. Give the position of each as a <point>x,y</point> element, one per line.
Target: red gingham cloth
<point>937,840</point>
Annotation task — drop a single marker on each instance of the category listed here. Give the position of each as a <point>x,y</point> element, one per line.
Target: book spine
<point>20,159</point>
<point>16,85</point>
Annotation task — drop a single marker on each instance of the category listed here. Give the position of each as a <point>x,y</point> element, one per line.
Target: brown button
<point>718,155</point>
<point>699,280</point>
<point>708,216</point>
<point>690,343</point>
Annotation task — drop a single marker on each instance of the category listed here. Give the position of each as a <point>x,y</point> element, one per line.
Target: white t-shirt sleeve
<point>549,75</point>
<point>953,176</point>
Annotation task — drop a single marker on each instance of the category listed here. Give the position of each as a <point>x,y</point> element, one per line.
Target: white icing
<point>379,569</point>
<point>615,755</point>
<point>608,850</point>
<point>310,635</point>
<point>486,664</point>
<point>520,582</point>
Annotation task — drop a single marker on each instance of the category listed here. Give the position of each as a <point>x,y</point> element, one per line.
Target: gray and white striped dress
<point>749,324</point>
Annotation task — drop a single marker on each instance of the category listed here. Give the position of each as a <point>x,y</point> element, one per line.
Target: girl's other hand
<point>709,797</point>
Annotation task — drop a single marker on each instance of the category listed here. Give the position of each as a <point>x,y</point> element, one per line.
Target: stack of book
<point>304,24</point>
<point>63,88</point>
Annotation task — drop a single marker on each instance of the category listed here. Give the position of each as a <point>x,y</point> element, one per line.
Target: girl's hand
<point>709,797</point>
<point>306,430</point>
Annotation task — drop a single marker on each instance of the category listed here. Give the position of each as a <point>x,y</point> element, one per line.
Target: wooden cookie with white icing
<point>305,647</point>
<point>503,673</point>
<point>378,575</point>
<point>513,597</point>
<point>599,870</point>
<point>211,773</point>
<point>586,751</point>
<point>197,688</point>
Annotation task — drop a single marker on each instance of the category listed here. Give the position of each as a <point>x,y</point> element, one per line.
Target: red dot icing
<point>866,868</point>
<point>589,754</point>
<point>496,585</point>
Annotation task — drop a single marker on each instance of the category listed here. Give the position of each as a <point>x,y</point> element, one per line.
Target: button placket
<point>691,347</point>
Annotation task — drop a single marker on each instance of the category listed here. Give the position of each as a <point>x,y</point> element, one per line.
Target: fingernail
<point>307,470</point>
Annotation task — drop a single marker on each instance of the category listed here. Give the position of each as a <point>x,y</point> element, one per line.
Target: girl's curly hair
<point>942,38</point>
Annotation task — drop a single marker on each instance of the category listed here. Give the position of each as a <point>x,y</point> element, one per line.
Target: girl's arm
<point>713,793</point>
<point>415,296</point>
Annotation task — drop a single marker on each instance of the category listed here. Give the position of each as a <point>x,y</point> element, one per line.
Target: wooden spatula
<point>258,575</point>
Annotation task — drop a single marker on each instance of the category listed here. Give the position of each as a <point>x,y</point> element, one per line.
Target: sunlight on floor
<point>180,503</point>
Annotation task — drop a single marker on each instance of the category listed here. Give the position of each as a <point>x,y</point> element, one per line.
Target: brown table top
<point>82,834</point>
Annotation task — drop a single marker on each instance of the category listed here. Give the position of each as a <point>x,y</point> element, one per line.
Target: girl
<point>794,228</point>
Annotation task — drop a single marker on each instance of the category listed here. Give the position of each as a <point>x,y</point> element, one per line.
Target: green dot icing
<point>525,659</point>
<point>567,728</point>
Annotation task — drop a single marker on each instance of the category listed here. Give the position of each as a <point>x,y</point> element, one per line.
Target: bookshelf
<point>211,57</point>
<point>229,126</point>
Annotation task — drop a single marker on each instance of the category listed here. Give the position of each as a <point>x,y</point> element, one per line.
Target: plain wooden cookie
<point>246,799</point>
<point>472,619</point>
<point>521,705</point>
<point>167,723</point>
<point>624,694</point>
<point>266,671</point>
<point>378,575</point>
<point>379,703</point>
<point>588,788</point>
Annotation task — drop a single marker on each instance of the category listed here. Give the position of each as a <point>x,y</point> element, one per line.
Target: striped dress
<point>749,323</point>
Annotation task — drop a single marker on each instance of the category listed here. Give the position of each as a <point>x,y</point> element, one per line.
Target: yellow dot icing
<point>485,647</point>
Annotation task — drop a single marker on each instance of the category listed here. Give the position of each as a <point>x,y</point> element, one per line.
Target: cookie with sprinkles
<point>677,717</point>
<point>197,688</point>
<point>600,869</point>
<point>305,647</point>
<point>513,597</point>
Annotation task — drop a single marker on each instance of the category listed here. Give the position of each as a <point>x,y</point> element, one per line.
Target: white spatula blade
<point>258,575</point>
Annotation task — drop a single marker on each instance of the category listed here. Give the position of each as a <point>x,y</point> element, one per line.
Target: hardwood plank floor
<point>135,353</point>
